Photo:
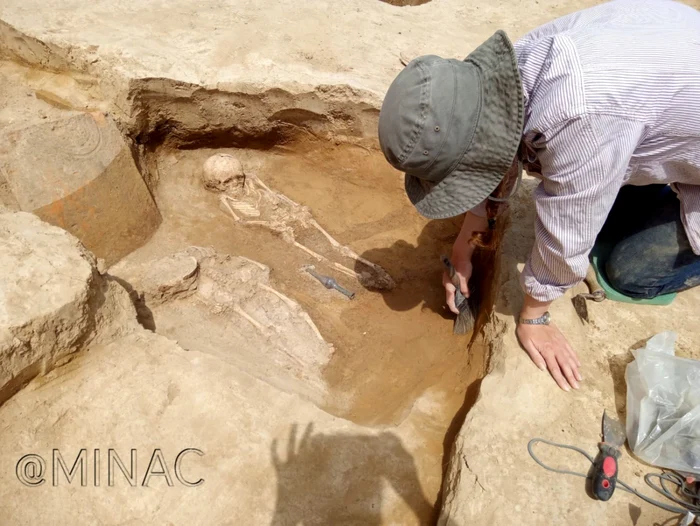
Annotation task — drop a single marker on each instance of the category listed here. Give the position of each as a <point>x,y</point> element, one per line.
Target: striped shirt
<point>612,97</point>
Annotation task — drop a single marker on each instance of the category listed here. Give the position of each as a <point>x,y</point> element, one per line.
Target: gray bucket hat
<point>454,126</point>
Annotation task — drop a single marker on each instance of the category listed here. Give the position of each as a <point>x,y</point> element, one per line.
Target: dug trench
<point>391,346</point>
<point>395,364</point>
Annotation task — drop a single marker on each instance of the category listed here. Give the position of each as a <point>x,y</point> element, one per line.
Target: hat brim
<point>457,193</point>
<point>495,142</point>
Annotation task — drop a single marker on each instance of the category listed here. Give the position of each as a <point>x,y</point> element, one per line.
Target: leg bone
<point>311,324</point>
<point>289,301</point>
<point>238,310</point>
<point>348,252</point>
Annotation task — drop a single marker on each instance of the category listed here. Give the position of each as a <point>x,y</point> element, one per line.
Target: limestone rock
<point>221,172</point>
<point>46,297</point>
<point>168,278</point>
<point>76,171</point>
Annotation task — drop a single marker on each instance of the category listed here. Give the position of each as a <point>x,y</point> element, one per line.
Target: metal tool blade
<point>688,520</point>
<point>581,308</point>
<point>613,432</point>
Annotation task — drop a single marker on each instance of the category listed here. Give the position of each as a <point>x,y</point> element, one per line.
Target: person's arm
<point>583,166</point>
<point>474,221</point>
<point>689,196</point>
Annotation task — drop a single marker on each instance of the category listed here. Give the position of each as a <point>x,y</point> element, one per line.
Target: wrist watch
<point>542,320</point>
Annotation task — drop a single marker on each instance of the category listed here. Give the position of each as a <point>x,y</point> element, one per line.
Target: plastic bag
<point>663,406</point>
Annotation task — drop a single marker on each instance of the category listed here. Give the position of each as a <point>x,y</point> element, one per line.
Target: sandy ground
<point>518,402</point>
<point>287,44</point>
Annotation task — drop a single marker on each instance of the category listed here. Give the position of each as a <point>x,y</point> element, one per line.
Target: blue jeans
<point>648,252</point>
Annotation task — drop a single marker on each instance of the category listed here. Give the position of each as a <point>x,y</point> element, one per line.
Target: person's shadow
<point>339,479</point>
<point>417,269</point>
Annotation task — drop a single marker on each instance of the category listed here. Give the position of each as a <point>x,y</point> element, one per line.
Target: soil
<point>379,367</point>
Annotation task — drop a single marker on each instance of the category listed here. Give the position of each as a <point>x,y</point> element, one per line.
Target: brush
<point>464,322</point>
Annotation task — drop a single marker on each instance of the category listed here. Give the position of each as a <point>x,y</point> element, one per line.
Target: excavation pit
<point>381,377</point>
<point>359,199</point>
<point>394,360</point>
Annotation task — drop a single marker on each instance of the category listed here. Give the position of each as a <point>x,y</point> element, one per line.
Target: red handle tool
<point>605,472</point>
<point>604,475</point>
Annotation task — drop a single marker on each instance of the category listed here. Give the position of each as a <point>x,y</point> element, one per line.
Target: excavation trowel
<point>596,293</point>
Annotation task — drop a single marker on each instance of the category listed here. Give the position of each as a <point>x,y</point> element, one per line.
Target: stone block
<point>44,300</point>
<point>77,172</point>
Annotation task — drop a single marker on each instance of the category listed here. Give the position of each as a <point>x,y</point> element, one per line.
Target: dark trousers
<point>644,246</point>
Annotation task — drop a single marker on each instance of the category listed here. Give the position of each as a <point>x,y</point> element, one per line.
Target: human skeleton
<point>253,203</point>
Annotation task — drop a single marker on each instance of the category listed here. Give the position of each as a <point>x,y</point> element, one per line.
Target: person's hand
<point>462,258</point>
<point>462,262</point>
<point>549,349</point>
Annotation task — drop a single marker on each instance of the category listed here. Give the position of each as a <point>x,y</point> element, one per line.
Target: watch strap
<point>542,320</point>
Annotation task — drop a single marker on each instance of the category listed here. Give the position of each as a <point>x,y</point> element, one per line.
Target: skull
<point>223,172</point>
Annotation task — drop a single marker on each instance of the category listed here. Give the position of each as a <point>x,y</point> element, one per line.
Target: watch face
<point>545,318</point>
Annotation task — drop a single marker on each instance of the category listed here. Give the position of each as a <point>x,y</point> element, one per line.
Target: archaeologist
<point>597,105</point>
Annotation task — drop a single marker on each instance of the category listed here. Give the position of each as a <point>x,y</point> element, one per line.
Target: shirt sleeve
<point>689,196</point>
<point>584,161</point>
